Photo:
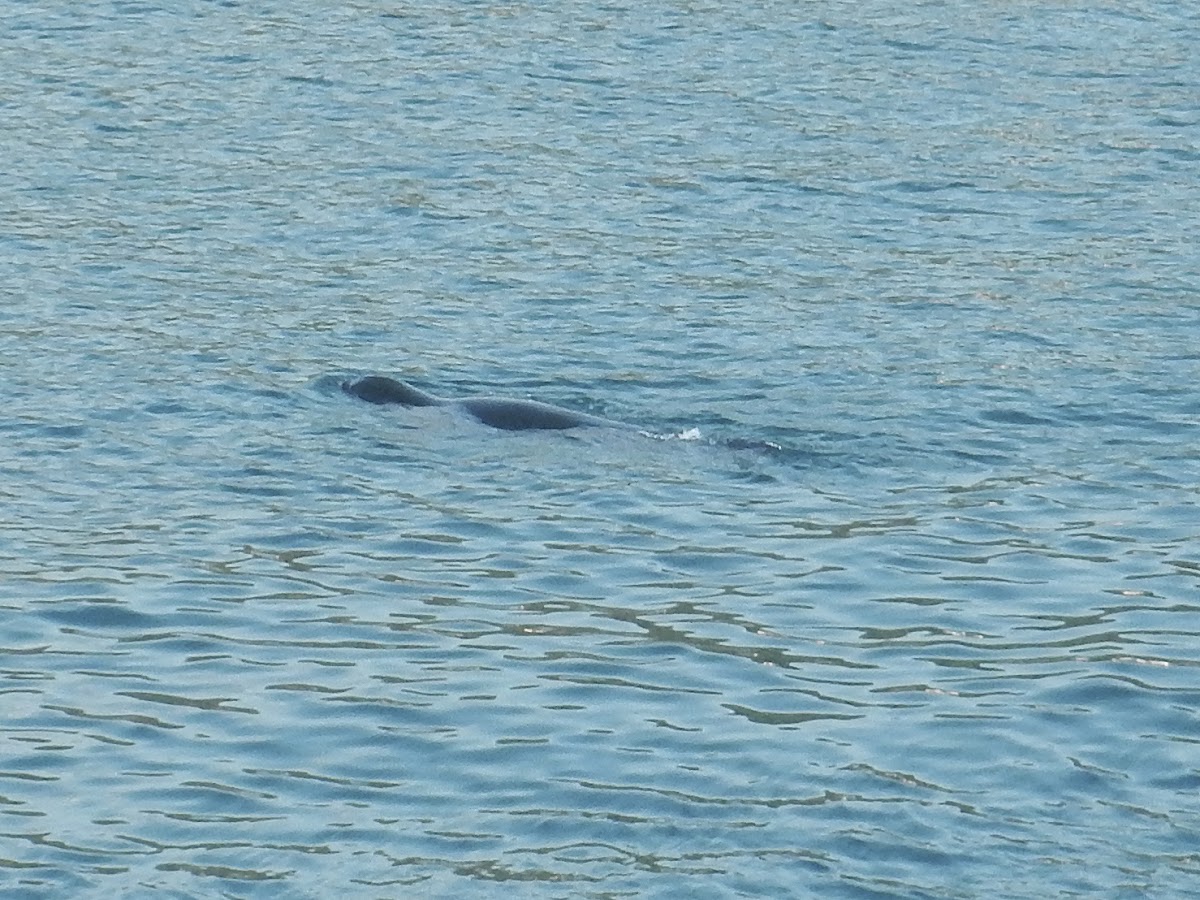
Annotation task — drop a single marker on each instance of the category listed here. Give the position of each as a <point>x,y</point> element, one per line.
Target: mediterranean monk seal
<point>498,412</point>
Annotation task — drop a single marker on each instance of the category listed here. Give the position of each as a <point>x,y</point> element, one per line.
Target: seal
<point>498,412</point>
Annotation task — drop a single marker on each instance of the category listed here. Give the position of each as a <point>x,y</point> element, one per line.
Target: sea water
<point>892,590</point>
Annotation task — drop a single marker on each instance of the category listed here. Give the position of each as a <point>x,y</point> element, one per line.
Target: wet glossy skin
<point>498,412</point>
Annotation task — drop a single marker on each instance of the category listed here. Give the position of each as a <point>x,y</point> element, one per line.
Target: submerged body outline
<point>507,414</point>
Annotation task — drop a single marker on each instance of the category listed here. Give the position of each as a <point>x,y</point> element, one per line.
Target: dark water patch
<point>1014,417</point>
<point>98,613</point>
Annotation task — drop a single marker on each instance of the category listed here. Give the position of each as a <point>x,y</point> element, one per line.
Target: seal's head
<point>379,389</point>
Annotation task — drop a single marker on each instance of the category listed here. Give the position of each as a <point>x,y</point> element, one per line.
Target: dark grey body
<point>498,412</point>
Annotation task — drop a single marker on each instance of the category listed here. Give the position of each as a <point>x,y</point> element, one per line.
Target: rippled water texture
<point>893,590</point>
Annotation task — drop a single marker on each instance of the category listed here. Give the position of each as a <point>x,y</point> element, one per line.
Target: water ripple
<point>900,600</point>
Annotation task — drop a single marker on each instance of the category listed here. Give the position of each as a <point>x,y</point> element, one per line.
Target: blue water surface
<point>892,591</point>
